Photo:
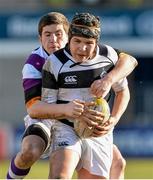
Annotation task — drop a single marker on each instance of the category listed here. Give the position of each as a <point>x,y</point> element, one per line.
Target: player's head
<point>85,25</point>
<point>53,31</point>
<point>84,33</point>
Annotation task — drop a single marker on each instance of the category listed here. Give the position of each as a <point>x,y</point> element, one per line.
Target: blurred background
<point>126,25</point>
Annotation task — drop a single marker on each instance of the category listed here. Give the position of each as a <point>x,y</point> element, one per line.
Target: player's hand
<point>74,108</point>
<point>91,117</point>
<point>105,128</point>
<point>101,87</point>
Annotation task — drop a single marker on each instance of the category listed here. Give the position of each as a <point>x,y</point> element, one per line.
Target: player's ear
<point>39,37</point>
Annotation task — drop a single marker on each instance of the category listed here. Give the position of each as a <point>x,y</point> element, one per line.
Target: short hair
<point>53,18</point>
<point>85,25</point>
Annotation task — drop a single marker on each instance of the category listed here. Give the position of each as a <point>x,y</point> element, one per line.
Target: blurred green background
<point>126,25</point>
<point>135,169</point>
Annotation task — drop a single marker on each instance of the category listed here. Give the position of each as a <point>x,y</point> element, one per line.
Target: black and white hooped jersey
<point>65,80</point>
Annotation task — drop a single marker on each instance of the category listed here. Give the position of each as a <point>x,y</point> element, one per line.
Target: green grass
<point>139,169</point>
<point>135,169</point>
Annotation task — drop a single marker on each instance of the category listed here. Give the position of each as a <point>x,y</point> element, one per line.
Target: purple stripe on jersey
<point>8,176</point>
<point>29,83</point>
<point>36,60</point>
<point>17,171</point>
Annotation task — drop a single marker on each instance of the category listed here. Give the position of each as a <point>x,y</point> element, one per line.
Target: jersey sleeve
<point>32,79</point>
<point>118,86</point>
<point>113,55</point>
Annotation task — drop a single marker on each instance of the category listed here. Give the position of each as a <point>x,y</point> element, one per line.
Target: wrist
<point>114,119</point>
<point>108,78</point>
<point>63,110</point>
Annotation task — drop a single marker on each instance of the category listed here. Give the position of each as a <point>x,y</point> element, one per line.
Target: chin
<point>54,49</point>
<point>84,60</point>
<point>81,59</point>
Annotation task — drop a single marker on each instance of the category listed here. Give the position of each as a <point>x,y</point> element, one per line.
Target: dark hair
<point>53,18</point>
<point>85,25</point>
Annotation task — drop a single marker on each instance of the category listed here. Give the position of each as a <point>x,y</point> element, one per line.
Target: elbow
<point>32,112</point>
<point>127,94</point>
<point>128,97</point>
<point>124,93</point>
<point>135,62</point>
<point>132,60</point>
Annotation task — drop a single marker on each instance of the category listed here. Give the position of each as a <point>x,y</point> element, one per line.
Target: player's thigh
<point>118,161</point>
<point>63,163</point>
<point>66,151</point>
<point>116,153</point>
<point>84,174</point>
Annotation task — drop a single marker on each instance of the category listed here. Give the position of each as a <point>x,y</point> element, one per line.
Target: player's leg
<point>63,163</point>
<point>66,151</point>
<point>118,164</point>
<point>84,174</point>
<point>34,143</point>
<point>96,158</point>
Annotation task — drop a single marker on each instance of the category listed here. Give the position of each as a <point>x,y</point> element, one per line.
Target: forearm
<point>120,104</point>
<point>124,66</point>
<point>43,110</point>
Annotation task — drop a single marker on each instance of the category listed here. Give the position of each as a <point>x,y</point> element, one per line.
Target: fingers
<point>78,110</point>
<point>92,117</point>
<point>89,104</point>
<point>79,101</point>
<point>97,133</point>
<point>102,129</point>
<point>89,122</point>
<point>79,106</point>
<point>95,87</point>
<point>74,108</point>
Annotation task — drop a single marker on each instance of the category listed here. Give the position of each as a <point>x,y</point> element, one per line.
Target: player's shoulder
<point>108,51</point>
<point>37,56</point>
<point>105,49</point>
<point>59,56</point>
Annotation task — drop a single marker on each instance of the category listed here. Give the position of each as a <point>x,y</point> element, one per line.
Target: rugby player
<point>67,75</point>
<point>53,29</point>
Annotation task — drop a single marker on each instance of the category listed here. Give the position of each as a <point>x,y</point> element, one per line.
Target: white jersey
<point>65,80</point>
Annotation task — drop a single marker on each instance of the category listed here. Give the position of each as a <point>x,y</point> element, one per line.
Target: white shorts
<point>46,125</point>
<point>95,153</point>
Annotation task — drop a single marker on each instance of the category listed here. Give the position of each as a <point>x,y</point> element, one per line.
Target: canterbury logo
<point>71,79</point>
<point>64,143</point>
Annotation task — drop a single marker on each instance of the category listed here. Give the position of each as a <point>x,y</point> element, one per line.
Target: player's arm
<point>120,104</point>
<point>45,107</point>
<point>32,85</point>
<point>43,110</point>
<point>39,109</point>
<point>124,66</point>
<point>121,101</point>
<point>35,107</point>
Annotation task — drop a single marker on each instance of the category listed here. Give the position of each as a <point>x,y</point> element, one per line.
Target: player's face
<point>82,49</point>
<point>53,37</point>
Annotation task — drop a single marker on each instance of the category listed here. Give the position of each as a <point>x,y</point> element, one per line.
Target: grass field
<point>135,169</point>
